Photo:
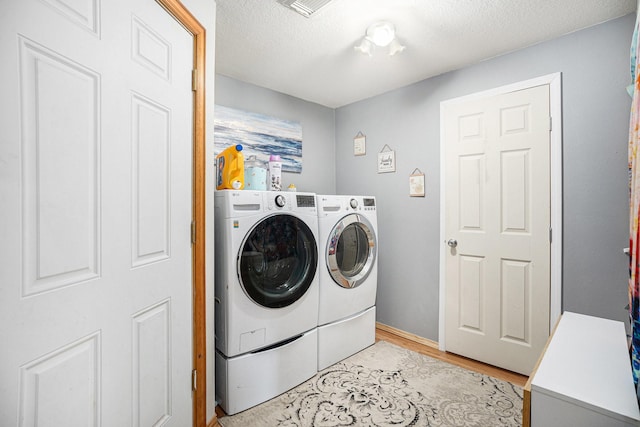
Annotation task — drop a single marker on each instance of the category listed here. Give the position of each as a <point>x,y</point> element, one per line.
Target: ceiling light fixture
<point>380,34</point>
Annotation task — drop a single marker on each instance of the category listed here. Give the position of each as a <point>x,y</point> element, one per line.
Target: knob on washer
<point>280,200</point>
<point>353,203</point>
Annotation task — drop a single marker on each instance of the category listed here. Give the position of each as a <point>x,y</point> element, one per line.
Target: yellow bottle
<point>230,168</point>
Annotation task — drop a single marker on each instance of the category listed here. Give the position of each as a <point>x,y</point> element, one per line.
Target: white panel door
<point>497,265</point>
<point>96,206</point>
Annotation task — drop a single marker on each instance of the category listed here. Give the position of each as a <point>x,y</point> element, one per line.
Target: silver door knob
<point>452,242</point>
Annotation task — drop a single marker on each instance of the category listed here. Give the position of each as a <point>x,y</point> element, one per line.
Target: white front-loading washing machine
<point>266,294</point>
<point>348,272</point>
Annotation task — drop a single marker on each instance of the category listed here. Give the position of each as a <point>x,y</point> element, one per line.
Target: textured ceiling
<point>263,43</point>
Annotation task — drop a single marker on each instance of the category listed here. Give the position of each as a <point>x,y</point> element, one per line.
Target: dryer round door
<point>278,261</point>
<point>351,251</point>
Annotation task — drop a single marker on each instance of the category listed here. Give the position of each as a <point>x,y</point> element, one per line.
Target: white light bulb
<point>395,47</point>
<point>365,47</point>
<point>381,33</point>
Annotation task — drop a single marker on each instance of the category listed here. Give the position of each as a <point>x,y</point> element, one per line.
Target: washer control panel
<point>280,201</point>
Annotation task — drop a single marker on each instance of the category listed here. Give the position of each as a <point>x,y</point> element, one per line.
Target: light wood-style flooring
<point>432,351</point>
<point>454,359</point>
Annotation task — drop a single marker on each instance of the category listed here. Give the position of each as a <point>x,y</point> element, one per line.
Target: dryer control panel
<point>369,203</point>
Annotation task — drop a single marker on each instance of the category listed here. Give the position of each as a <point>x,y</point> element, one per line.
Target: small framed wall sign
<point>386,160</point>
<point>360,144</point>
<point>416,183</point>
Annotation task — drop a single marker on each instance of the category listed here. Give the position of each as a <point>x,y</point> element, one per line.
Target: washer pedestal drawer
<point>253,378</point>
<point>341,339</point>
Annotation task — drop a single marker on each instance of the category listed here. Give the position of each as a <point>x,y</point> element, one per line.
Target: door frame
<point>199,387</point>
<point>554,81</point>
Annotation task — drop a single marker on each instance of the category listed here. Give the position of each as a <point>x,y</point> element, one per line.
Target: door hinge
<point>550,123</point>
<point>193,232</point>
<point>194,380</point>
<point>194,80</point>
<point>550,235</point>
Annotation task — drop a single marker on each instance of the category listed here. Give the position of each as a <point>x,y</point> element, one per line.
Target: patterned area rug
<point>386,385</point>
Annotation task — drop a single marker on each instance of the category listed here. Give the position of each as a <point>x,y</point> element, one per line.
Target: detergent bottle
<point>275,173</point>
<point>230,168</point>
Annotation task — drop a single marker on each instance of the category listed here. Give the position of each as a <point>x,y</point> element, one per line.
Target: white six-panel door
<point>497,262</point>
<point>95,212</point>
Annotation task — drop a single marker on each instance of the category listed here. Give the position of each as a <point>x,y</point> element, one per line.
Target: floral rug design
<point>386,385</point>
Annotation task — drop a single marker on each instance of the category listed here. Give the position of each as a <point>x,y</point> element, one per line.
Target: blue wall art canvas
<point>259,135</point>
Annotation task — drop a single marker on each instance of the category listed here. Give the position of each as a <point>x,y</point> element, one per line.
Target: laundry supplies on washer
<point>275,173</point>
<point>255,174</point>
<point>230,168</point>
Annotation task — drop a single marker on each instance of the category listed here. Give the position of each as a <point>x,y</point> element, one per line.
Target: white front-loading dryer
<point>348,272</point>
<point>266,294</point>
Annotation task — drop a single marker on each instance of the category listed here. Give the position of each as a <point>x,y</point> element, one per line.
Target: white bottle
<point>275,173</point>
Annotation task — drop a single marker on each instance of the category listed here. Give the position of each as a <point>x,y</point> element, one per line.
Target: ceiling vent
<point>305,8</point>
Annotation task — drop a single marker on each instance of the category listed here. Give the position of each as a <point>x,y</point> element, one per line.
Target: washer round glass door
<point>278,260</point>
<point>351,251</point>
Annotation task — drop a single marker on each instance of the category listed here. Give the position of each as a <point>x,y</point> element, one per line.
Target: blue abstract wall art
<point>259,135</point>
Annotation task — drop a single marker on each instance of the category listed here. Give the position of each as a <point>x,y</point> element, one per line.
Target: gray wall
<point>595,71</point>
<point>318,148</point>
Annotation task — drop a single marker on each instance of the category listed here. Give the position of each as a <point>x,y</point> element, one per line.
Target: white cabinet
<point>583,377</point>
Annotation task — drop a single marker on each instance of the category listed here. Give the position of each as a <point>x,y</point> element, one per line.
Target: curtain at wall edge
<point>634,208</point>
